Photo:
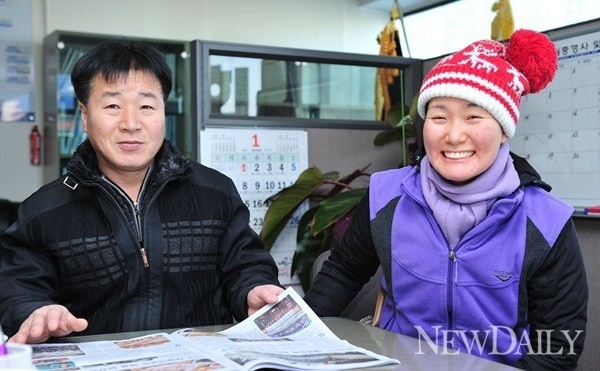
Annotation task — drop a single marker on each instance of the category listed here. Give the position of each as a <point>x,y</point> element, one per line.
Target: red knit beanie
<point>494,75</point>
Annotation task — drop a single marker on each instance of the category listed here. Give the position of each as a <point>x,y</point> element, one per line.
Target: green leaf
<point>347,180</point>
<point>331,175</point>
<point>284,204</point>
<point>405,127</point>
<point>395,114</point>
<point>386,137</point>
<point>334,208</point>
<point>304,225</point>
<point>402,122</point>
<point>413,110</point>
<point>307,249</point>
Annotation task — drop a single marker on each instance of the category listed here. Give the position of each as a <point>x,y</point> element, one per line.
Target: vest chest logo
<point>503,275</point>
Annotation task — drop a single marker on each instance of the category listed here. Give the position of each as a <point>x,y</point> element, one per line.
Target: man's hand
<point>259,296</point>
<point>46,322</point>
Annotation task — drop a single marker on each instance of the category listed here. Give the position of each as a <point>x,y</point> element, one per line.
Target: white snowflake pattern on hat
<point>473,57</point>
<point>516,84</point>
<point>493,75</point>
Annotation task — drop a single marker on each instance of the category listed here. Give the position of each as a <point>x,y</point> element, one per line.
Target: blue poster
<point>17,100</point>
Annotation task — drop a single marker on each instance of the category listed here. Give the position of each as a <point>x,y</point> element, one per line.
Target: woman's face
<point>461,138</point>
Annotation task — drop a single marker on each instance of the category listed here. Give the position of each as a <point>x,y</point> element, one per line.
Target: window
<point>249,85</point>
<point>448,28</point>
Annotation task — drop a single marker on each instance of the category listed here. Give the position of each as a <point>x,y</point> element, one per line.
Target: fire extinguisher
<point>35,144</point>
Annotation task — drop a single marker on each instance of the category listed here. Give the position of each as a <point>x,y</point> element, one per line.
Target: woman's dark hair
<point>114,59</point>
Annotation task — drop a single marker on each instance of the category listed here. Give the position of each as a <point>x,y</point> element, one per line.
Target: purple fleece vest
<point>467,301</point>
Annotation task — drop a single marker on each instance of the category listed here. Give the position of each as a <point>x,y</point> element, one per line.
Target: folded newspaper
<point>287,335</point>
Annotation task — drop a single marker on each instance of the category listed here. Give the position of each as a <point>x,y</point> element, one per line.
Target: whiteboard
<point>559,128</point>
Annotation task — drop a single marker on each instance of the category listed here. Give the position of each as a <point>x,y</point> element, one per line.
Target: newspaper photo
<point>287,335</point>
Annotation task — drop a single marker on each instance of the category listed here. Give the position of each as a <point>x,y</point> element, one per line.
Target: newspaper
<point>287,335</point>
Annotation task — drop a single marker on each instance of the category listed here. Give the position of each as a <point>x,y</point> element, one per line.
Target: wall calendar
<point>261,162</point>
<point>559,128</point>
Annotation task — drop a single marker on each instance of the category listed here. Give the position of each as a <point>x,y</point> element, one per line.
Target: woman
<point>477,255</point>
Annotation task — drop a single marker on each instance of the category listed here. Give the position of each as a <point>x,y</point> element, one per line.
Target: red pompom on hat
<point>535,56</point>
<point>494,75</point>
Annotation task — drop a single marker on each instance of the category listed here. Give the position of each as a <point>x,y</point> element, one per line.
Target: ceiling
<point>406,6</point>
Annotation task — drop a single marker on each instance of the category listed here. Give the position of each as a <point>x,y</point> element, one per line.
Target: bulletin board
<point>261,162</point>
<point>559,128</point>
<point>17,90</point>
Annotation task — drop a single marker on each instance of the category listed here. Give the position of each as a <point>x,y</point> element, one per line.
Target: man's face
<point>125,122</point>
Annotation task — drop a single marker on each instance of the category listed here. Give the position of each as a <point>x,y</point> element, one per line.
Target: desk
<point>401,347</point>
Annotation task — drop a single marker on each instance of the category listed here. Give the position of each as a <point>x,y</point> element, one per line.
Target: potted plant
<point>331,200</point>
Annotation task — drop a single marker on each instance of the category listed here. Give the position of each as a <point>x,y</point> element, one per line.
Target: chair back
<point>364,302</point>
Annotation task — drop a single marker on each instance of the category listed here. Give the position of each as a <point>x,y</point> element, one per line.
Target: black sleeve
<point>245,263</point>
<point>557,306</point>
<point>352,262</point>
<point>28,277</point>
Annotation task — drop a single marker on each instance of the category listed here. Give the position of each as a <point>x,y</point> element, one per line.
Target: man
<point>135,236</point>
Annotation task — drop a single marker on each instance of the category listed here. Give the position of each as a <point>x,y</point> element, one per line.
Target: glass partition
<point>242,85</point>
<point>256,87</point>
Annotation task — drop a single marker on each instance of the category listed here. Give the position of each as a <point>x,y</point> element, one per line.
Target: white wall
<point>339,25</point>
<point>336,25</point>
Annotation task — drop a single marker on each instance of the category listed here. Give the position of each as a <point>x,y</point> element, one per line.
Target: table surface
<point>413,355</point>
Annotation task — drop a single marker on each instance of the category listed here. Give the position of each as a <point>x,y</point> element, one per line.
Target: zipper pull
<point>452,256</point>
<point>144,257</point>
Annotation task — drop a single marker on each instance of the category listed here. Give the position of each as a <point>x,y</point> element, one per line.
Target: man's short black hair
<point>114,59</point>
